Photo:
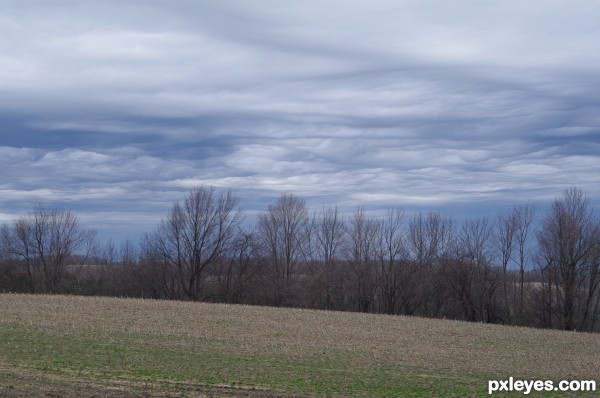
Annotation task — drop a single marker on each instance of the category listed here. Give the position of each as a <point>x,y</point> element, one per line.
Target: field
<point>55,346</point>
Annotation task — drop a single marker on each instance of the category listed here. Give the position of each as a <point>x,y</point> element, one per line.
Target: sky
<point>116,109</point>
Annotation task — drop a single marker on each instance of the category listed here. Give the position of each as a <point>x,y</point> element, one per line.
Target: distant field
<point>54,346</point>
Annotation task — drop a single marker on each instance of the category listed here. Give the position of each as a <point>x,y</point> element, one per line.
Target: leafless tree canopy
<point>568,242</point>
<point>194,235</point>
<point>329,229</point>
<point>283,234</point>
<point>513,268</point>
<point>43,242</point>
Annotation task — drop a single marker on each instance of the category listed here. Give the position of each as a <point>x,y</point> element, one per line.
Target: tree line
<point>517,267</point>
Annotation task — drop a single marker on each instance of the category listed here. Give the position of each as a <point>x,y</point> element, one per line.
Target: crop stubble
<point>134,346</point>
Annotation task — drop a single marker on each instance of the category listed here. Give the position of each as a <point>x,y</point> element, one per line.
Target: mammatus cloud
<point>117,108</point>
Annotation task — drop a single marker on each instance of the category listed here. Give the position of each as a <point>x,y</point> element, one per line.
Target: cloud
<point>118,108</point>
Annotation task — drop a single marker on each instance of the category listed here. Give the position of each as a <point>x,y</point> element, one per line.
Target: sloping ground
<point>83,346</point>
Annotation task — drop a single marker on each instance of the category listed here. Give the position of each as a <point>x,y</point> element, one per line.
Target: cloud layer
<point>117,108</point>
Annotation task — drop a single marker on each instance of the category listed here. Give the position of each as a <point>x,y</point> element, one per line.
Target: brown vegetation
<point>107,342</point>
<point>429,265</point>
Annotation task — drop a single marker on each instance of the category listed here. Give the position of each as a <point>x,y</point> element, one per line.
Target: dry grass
<point>286,350</point>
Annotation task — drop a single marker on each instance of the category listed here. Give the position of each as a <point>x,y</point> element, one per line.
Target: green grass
<point>277,351</point>
<point>149,358</point>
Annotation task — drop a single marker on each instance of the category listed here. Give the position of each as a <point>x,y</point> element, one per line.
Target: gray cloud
<point>117,108</point>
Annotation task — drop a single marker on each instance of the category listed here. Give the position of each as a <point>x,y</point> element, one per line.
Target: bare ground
<point>106,347</point>
<point>29,383</point>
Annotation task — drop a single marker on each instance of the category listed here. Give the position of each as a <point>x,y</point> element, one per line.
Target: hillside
<point>83,346</point>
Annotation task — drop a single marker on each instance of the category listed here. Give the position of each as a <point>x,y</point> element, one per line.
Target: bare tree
<point>524,215</point>
<point>282,233</point>
<point>391,252</point>
<point>473,280</point>
<point>429,242</point>
<point>361,253</point>
<point>330,234</point>
<point>194,235</point>
<point>128,253</point>
<point>329,231</point>
<point>568,241</point>
<point>429,238</point>
<point>505,230</point>
<point>234,272</point>
<point>593,307</point>
<point>44,241</point>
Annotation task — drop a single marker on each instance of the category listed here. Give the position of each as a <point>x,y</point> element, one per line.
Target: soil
<point>31,383</point>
